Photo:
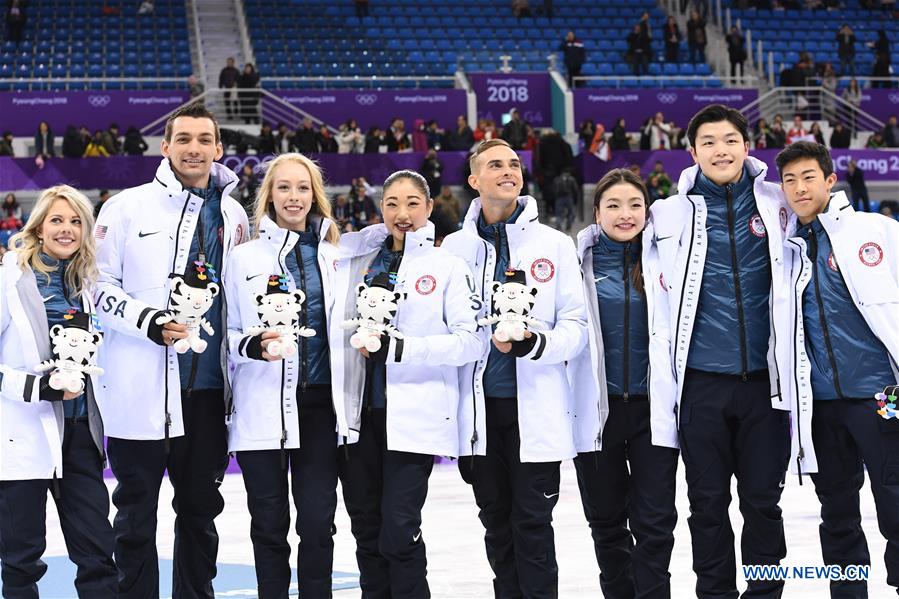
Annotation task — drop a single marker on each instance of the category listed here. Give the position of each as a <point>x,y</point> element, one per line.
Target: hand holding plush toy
<point>376,306</point>
<point>74,348</point>
<point>511,301</point>
<point>191,297</point>
<point>279,310</point>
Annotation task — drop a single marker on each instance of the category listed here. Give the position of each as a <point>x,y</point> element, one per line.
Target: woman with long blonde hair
<point>51,438</point>
<point>283,418</point>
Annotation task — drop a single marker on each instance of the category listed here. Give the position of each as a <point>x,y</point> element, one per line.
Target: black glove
<point>380,356</point>
<point>254,347</point>
<point>48,393</point>
<point>154,331</point>
<point>522,348</point>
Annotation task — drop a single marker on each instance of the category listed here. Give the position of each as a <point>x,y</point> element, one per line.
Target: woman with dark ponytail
<point>627,482</point>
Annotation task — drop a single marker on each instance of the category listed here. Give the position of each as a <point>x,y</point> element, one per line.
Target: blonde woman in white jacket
<point>400,402</point>
<point>50,439</point>
<point>283,420</point>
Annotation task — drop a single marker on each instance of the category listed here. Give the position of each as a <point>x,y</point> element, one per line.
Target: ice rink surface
<point>457,566</point>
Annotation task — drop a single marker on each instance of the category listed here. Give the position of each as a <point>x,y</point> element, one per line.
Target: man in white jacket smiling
<point>515,409</point>
<point>164,410</point>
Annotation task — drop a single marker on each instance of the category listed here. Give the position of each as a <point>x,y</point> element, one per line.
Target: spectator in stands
<point>10,213</point>
<point>340,210</point>
<point>361,8</point>
<point>658,183</point>
<point>659,133</point>
<point>6,148</point>
<point>853,97</point>
<point>841,137</point>
<point>797,132</point>
<point>599,145</point>
<point>829,83</point>
<point>85,134</point>
<point>435,135</point>
<point>15,20</point>
<point>567,194</point>
<point>486,131</point>
<point>265,143</point>
<point>846,50</point>
<point>875,141</point>
<point>350,139</point>
<point>639,50</point>
<point>134,144</point>
<point>574,54</point>
<point>533,137</point>
<point>521,8</point>
<point>364,210</point>
<point>95,148</point>
<point>855,177</point>
<point>882,44</point>
<point>620,140</point>
<point>672,39</point>
<point>888,209</point>
<point>460,139</point>
<point>515,131</point>
<point>585,133</point>
<point>816,132</point>
<point>326,142</point>
<point>304,138</point>
<point>146,8</point>
<point>553,156</point>
<point>759,134</point>
<point>736,51</point>
<point>881,71</point>
<point>228,82</point>
<point>246,189</point>
<point>247,82</point>
<point>419,137</point>
<point>43,141</point>
<point>72,145</point>
<point>101,199</point>
<point>111,140</point>
<point>777,137</point>
<point>696,38</point>
<point>890,133</point>
<point>194,86</point>
<point>284,140</point>
<point>449,205</point>
<point>375,141</point>
<point>432,170</point>
<point>397,138</point>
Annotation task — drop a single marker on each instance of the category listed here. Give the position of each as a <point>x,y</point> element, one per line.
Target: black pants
<point>313,483</point>
<point>231,104</point>
<point>728,428</point>
<point>384,492</point>
<point>83,505</point>
<point>196,465</point>
<point>516,501</point>
<point>850,437</point>
<point>630,481</point>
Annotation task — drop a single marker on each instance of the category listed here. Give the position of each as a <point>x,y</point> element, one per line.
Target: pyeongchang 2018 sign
<point>606,106</point>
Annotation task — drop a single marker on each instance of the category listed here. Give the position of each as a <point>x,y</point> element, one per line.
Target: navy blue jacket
<point>732,326</point>
<point>847,359</point>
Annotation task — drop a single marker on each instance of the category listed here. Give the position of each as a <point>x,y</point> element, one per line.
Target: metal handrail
<point>698,78</point>
<point>754,108</point>
<point>367,80</point>
<point>200,54</point>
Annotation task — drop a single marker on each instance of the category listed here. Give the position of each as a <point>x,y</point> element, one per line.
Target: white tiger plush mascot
<point>511,301</point>
<point>279,310</point>
<point>376,306</point>
<point>190,299</point>
<point>74,348</point>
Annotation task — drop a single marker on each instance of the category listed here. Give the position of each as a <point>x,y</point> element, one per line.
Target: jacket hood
<point>372,237</point>
<point>222,177</point>
<point>688,177</point>
<point>529,213</point>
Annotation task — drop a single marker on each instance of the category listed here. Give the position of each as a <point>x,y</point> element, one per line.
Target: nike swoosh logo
<point>249,277</point>
<point>781,484</point>
<point>550,496</point>
<point>142,234</point>
<point>416,537</point>
<point>47,299</point>
<point>598,279</point>
<point>664,238</point>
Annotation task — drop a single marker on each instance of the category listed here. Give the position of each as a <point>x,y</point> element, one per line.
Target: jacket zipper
<point>827,343</point>
<point>627,318</point>
<point>736,275</point>
<point>201,257</point>
<point>283,423</point>
<point>474,374</point>
<point>801,454</point>
<point>304,363</point>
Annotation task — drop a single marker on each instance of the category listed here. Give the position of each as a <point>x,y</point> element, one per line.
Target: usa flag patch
<point>100,232</point>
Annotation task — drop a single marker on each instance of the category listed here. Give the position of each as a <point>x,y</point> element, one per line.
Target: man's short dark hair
<point>196,110</point>
<point>805,149</point>
<point>715,113</point>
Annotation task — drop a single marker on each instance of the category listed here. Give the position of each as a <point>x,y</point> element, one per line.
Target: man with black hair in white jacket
<point>515,413</point>
<point>843,268</point>
<point>713,263</point>
<point>164,410</point>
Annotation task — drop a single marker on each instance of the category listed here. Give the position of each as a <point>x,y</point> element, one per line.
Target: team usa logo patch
<point>542,270</point>
<point>757,226</point>
<point>870,254</point>
<point>832,263</point>
<point>783,219</point>
<point>425,285</point>
<point>662,282</point>
<point>335,264</point>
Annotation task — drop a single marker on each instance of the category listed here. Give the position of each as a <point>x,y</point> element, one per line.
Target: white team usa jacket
<point>438,319</point>
<point>674,249</point>
<point>31,429</point>
<point>545,401</point>
<point>143,237</point>
<point>866,250</point>
<point>264,409</point>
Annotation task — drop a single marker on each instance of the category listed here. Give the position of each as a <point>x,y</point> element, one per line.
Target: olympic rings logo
<point>666,98</point>
<point>366,99</point>
<point>99,101</point>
